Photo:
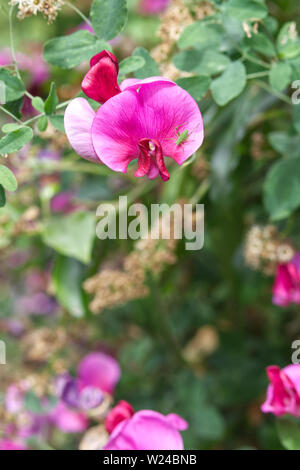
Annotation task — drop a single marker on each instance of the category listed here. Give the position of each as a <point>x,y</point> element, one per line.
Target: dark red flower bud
<point>101,81</point>
<point>123,410</point>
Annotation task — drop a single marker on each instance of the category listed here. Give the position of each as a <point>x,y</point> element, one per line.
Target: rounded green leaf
<point>15,140</point>
<point>7,179</point>
<point>38,104</point>
<point>71,235</point>
<point>246,9</point>
<point>196,86</point>
<point>43,123</point>
<point>11,87</point>
<point>288,43</point>
<point>150,67</point>
<point>207,63</point>
<point>282,188</point>
<point>130,64</point>
<point>201,36</point>
<point>67,281</point>
<point>108,17</point>
<point>280,76</point>
<point>69,51</point>
<point>230,84</point>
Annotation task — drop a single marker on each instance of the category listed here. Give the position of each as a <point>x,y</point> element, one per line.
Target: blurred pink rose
<point>147,430</point>
<point>286,287</point>
<point>283,394</point>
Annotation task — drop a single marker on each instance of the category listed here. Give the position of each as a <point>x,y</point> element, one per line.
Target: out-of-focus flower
<point>264,249</point>
<point>286,287</point>
<point>283,394</point>
<point>68,420</point>
<point>7,444</point>
<point>34,64</point>
<point>48,8</point>
<point>84,396</point>
<point>153,7</point>
<point>148,120</point>
<point>145,430</point>
<point>38,303</point>
<point>63,202</point>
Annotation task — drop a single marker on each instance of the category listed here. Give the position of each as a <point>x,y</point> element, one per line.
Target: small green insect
<point>182,136</point>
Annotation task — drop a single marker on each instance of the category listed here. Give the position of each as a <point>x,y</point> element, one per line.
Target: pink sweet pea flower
<point>286,287</point>
<point>141,120</point>
<point>283,394</point>
<point>144,430</point>
<point>7,444</point>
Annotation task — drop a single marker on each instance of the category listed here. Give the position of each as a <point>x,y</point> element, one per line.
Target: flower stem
<point>82,15</point>
<point>257,75</point>
<point>11,115</point>
<point>12,45</point>
<point>278,94</point>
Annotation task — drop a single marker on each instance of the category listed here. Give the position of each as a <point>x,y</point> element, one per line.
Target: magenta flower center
<point>151,154</point>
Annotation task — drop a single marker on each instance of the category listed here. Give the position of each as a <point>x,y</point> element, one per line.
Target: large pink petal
<point>99,370</point>
<point>79,117</point>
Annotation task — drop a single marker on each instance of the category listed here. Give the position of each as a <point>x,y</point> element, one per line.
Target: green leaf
<point>288,43</point>
<point>12,88</point>
<point>130,64</point>
<point>67,280</point>
<point>108,17</point>
<point>150,68</point>
<point>52,100</point>
<point>207,63</point>
<point>2,196</point>
<point>285,144</point>
<point>69,51</point>
<point>230,84</point>
<point>289,433</point>
<point>282,188</point>
<point>58,122</point>
<point>71,235</point>
<point>201,36</point>
<point>246,9</point>
<point>10,127</point>
<point>196,86</point>
<point>260,43</point>
<point>38,104</point>
<point>8,179</point>
<point>280,76</point>
<point>15,140</point>
<point>42,123</point>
